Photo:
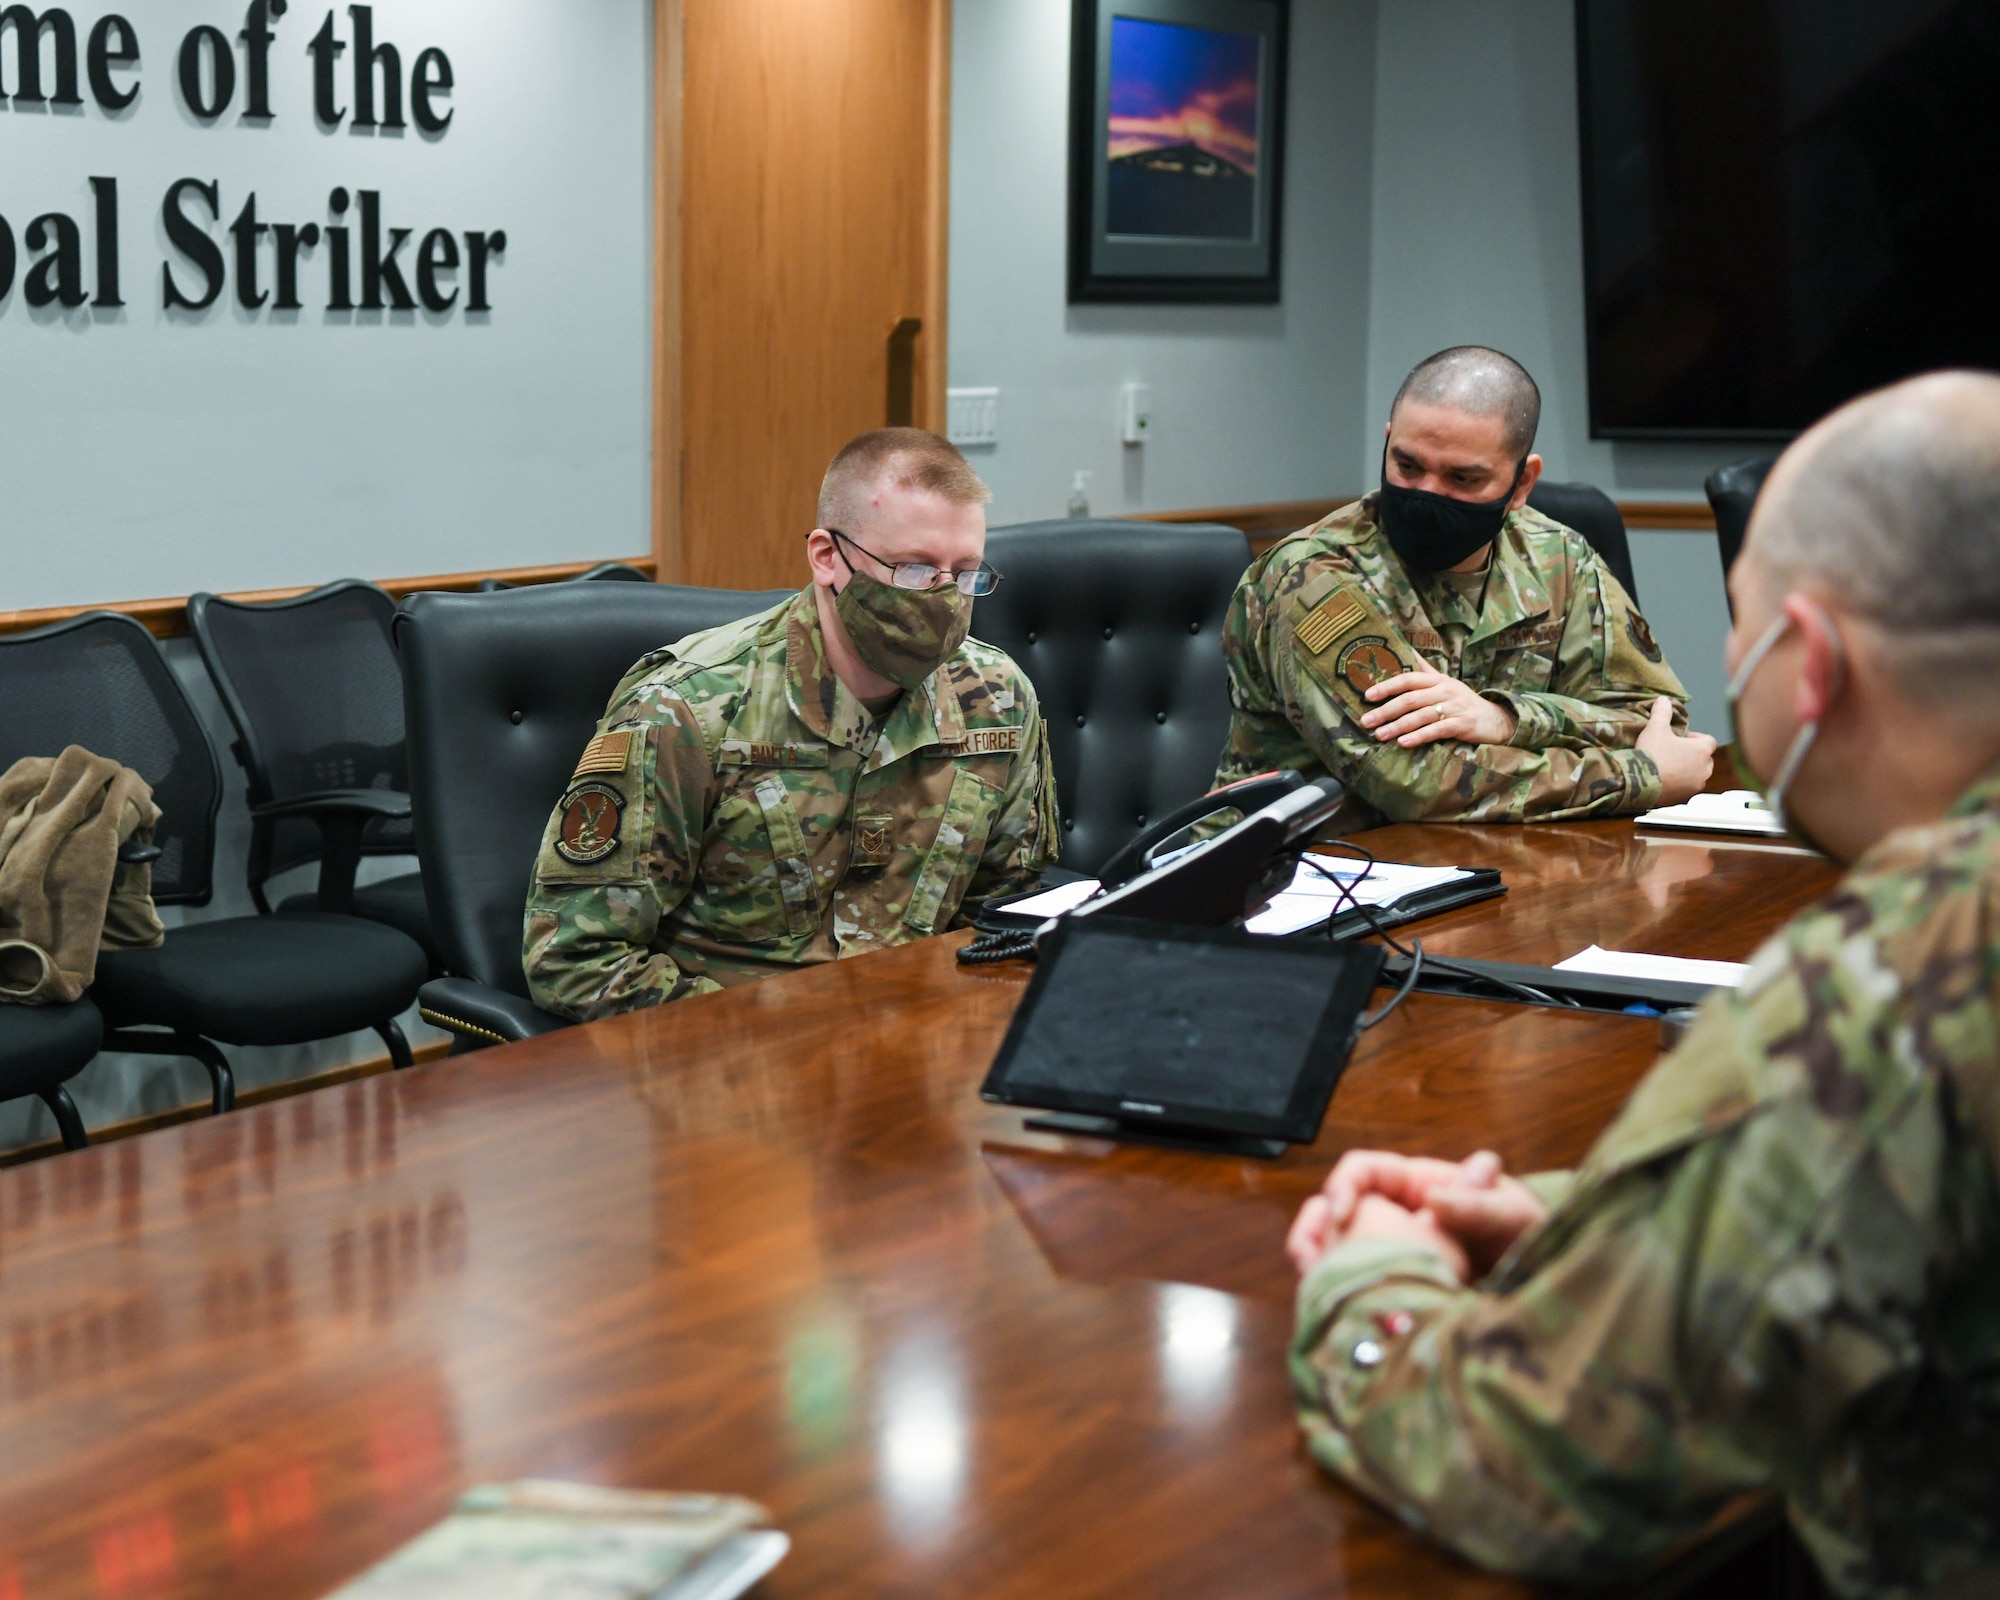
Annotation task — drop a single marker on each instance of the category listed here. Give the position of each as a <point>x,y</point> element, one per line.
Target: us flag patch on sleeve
<point>1328,620</point>
<point>608,752</point>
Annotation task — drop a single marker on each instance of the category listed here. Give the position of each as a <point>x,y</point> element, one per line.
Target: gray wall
<point>1432,198</point>
<point>154,452</point>
<point>1249,402</point>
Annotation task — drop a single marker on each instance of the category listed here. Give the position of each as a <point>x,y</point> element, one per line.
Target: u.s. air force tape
<point>1328,620</point>
<point>989,742</point>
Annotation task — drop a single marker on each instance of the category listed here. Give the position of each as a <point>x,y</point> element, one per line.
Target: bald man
<point>1448,653</point>
<point>1778,1272</point>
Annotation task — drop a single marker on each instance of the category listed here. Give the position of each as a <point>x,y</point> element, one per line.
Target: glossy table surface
<point>772,1242</point>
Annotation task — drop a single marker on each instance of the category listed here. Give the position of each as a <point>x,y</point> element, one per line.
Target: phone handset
<point>1245,795</point>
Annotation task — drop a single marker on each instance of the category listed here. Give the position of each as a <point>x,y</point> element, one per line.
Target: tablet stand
<point>1173,1135</point>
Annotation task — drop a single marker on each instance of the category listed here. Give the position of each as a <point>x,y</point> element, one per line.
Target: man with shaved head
<point>1447,652</point>
<point>1778,1272</point>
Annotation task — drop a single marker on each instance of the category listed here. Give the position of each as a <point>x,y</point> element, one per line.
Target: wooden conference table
<point>771,1242</point>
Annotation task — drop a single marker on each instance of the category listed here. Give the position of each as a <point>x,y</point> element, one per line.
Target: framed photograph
<point>1177,134</point>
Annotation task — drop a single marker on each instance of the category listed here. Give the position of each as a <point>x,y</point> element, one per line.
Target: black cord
<point>1006,944</point>
<point>1416,957</point>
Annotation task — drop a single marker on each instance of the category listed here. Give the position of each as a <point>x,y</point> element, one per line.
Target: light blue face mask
<point>1802,741</point>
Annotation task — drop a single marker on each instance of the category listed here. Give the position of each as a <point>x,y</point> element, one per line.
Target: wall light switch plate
<point>972,416</point>
<point>1135,412</point>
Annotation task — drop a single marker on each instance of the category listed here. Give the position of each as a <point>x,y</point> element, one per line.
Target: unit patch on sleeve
<point>1367,662</point>
<point>1328,620</point>
<point>592,815</point>
<point>1642,638</point>
<point>608,752</point>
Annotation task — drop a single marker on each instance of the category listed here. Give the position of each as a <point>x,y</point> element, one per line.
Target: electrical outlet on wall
<point>972,416</point>
<point>1135,412</point>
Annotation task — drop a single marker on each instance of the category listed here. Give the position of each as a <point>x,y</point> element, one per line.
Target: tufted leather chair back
<point>1119,627</point>
<point>501,692</point>
<point>1594,514</point>
<point>1732,493</point>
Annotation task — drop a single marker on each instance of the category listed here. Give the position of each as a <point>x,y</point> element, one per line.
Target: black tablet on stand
<point>1200,1038</point>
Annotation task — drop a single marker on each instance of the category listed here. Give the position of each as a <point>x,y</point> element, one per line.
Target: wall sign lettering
<point>356,258</point>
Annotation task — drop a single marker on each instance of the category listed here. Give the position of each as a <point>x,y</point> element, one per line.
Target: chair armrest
<point>481,1015</point>
<point>340,815</point>
<point>329,802</point>
<point>133,853</point>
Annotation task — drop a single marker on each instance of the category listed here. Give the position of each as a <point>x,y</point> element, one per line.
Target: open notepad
<point>1317,894</point>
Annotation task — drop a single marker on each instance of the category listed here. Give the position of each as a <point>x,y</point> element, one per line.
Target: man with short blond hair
<point>1446,651</point>
<point>1778,1271</point>
<point>844,772</point>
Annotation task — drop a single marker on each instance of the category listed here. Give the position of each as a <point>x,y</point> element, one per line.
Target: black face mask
<point>1431,532</point>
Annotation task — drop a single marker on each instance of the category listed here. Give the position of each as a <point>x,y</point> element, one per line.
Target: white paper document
<point>1675,969</point>
<point>1312,897</point>
<point>1734,811</point>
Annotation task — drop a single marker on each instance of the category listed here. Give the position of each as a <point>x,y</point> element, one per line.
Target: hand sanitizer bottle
<point>1079,495</point>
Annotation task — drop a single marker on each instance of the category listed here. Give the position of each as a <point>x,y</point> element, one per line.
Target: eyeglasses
<point>979,580</point>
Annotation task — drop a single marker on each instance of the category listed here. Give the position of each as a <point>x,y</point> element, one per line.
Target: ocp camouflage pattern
<point>765,819</point>
<point>1557,641</point>
<point>1776,1274</point>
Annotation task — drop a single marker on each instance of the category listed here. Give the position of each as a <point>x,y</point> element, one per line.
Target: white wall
<point>1250,403</point>
<point>152,452</point>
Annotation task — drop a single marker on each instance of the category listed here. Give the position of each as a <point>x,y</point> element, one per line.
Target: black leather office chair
<point>502,691</point>
<point>313,689</point>
<point>98,680</point>
<point>1594,514</point>
<point>1732,492</point>
<point>1119,627</point>
<point>603,572</point>
<point>41,1049</point>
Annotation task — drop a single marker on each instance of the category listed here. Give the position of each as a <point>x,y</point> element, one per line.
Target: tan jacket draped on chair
<point>64,894</point>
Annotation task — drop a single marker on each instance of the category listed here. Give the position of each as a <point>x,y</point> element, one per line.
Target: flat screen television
<point>1785,203</point>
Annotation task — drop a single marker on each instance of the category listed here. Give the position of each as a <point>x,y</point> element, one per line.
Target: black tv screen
<point>1786,203</point>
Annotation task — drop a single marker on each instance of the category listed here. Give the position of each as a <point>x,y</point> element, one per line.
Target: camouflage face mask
<point>903,634</point>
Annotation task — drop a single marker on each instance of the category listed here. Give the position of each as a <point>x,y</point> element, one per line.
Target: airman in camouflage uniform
<point>742,811</point>
<point>1327,613</point>
<point>1778,1272</point>
<point>1447,652</point>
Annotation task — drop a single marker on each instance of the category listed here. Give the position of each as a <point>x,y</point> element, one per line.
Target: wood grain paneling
<point>770,1241</point>
<point>668,32</point>
<point>167,619</point>
<point>1270,521</point>
<point>813,173</point>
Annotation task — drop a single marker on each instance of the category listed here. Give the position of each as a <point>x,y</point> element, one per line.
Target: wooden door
<point>812,166</point>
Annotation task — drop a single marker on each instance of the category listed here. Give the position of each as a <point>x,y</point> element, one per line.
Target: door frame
<point>669,460</point>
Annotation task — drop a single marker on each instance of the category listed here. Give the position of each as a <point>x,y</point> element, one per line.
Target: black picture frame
<point>1221,257</point>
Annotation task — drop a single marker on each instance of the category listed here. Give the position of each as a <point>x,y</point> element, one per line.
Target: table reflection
<point>1197,1342</point>
<point>920,1437</point>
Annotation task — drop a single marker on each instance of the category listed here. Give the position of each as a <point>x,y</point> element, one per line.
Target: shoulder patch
<point>1367,661</point>
<point>1332,617</point>
<point>592,816</point>
<point>608,752</point>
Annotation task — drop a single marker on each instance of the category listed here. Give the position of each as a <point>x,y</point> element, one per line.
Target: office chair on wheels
<point>41,1049</point>
<point>99,680</point>
<point>502,691</point>
<point>312,687</point>
<point>1732,493</point>
<point>1591,512</point>
<point>1119,627</point>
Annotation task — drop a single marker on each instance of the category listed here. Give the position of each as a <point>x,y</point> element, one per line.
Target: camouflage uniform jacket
<point>1330,611</point>
<point>741,812</point>
<point>1778,1272</point>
